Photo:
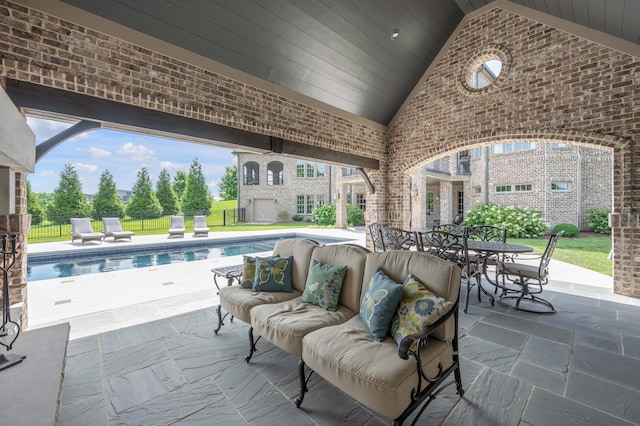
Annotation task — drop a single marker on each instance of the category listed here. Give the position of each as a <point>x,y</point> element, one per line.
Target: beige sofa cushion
<point>371,372</point>
<point>439,276</point>
<point>285,324</point>
<point>238,301</point>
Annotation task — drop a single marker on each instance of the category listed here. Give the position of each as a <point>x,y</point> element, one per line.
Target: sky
<point>123,154</point>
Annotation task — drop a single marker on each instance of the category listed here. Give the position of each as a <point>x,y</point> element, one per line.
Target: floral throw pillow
<point>379,304</point>
<point>248,271</point>
<point>273,274</point>
<point>323,286</point>
<point>419,307</point>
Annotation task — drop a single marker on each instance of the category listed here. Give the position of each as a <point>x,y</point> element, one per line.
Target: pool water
<point>47,269</point>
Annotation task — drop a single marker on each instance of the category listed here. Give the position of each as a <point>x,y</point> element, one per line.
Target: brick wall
<point>554,86</point>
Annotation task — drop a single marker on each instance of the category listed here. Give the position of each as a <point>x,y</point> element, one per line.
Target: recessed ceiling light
<point>395,34</point>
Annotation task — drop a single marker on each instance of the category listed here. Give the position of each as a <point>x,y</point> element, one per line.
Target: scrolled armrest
<point>405,344</point>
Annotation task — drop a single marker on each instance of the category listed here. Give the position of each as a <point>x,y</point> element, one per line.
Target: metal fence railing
<point>59,226</point>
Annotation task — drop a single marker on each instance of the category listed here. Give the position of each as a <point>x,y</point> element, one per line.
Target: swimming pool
<point>60,265</point>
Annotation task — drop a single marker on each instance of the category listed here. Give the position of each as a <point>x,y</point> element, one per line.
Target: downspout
<point>330,175</point>
<point>579,187</point>
<point>486,175</point>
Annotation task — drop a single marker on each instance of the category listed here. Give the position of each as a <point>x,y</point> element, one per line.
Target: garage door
<point>264,210</point>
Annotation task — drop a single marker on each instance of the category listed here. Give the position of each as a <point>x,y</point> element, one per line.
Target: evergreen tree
<point>179,184</point>
<point>196,197</point>
<point>166,195</point>
<point>106,202</point>
<point>229,184</point>
<point>143,202</point>
<point>34,208</point>
<point>68,198</point>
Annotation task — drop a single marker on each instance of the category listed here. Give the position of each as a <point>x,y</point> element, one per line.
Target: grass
<point>587,252</point>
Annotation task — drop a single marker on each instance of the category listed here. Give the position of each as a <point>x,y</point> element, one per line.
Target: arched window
<point>251,173</point>
<point>275,173</point>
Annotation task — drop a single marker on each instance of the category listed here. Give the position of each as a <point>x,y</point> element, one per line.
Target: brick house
<point>561,180</point>
<point>276,188</point>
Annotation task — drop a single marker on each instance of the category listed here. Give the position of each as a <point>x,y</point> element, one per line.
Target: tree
<point>68,198</point>
<point>196,197</point>
<point>106,202</point>
<point>34,208</point>
<point>165,193</point>
<point>179,184</point>
<point>143,202</point>
<point>229,184</point>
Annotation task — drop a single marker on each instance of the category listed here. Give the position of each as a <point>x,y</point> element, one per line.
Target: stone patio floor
<point>579,366</point>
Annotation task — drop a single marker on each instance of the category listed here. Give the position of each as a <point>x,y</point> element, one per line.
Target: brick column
<point>446,201</point>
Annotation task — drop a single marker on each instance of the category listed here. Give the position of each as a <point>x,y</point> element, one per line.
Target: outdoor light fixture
<point>275,201</point>
<point>249,200</point>
<point>414,192</point>
<point>336,196</point>
<point>395,34</point>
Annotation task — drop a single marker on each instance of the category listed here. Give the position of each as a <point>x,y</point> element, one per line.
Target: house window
<point>523,187</point>
<point>275,173</point>
<point>460,203</point>
<point>559,186</point>
<point>310,170</point>
<point>477,190</point>
<point>251,173</point>
<point>559,145</point>
<point>361,201</point>
<point>505,148</point>
<point>477,152</point>
<point>310,204</point>
<point>430,205</point>
<point>299,168</point>
<point>319,170</point>
<point>300,204</point>
<point>503,188</point>
<point>319,200</point>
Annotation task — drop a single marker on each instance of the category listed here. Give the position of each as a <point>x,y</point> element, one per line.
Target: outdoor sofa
<point>351,347</point>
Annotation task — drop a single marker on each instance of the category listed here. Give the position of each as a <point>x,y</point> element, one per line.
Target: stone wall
<point>553,86</point>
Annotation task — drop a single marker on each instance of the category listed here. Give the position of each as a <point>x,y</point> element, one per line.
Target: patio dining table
<point>488,248</point>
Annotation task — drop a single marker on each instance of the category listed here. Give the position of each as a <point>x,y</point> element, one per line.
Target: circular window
<point>485,74</point>
<point>484,69</point>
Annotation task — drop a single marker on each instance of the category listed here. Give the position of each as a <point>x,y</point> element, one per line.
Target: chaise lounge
<point>177,226</point>
<point>113,228</point>
<point>81,229</point>
<point>200,226</point>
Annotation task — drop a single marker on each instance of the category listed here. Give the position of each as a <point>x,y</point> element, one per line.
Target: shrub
<point>569,229</point>
<point>519,222</point>
<point>325,215</point>
<point>598,218</point>
<point>297,218</point>
<point>355,215</point>
<point>283,215</point>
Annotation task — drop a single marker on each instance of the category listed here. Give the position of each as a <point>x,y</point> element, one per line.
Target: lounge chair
<point>177,226</point>
<point>200,226</point>
<point>113,228</point>
<point>81,229</point>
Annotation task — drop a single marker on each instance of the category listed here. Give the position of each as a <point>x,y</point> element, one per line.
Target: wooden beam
<point>52,142</point>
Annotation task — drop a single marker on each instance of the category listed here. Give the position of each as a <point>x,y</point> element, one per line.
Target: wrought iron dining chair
<point>452,228</point>
<point>519,277</point>
<point>398,239</point>
<point>375,230</point>
<point>452,247</point>
<point>487,233</point>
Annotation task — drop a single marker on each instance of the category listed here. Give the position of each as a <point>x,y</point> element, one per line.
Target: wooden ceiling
<point>339,52</point>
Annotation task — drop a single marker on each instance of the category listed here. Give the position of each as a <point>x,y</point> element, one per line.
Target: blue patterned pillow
<point>379,304</point>
<point>323,286</point>
<point>273,274</point>
<point>418,308</point>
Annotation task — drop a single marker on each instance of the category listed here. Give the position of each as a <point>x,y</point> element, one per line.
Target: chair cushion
<point>248,271</point>
<point>323,285</point>
<point>238,301</point>
<point>370,371</point>
<point>273,274</point>
<point>379,304</point>
<point>528,271</point>
<point>418,308</point>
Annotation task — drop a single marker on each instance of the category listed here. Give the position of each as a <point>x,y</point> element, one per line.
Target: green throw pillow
<point>418,308</point>
<point>248,271</point>
<point>273,274</point>
<point>379,304</point>
<point>323,286</point>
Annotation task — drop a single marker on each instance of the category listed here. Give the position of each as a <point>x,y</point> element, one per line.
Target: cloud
<point>173,167</point>
<point>47,173</point>
<point>86,167</point>
<point>99,153</point>
<point>136,152</point>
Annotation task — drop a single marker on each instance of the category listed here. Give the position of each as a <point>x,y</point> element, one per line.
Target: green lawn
<point>588,252</point>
